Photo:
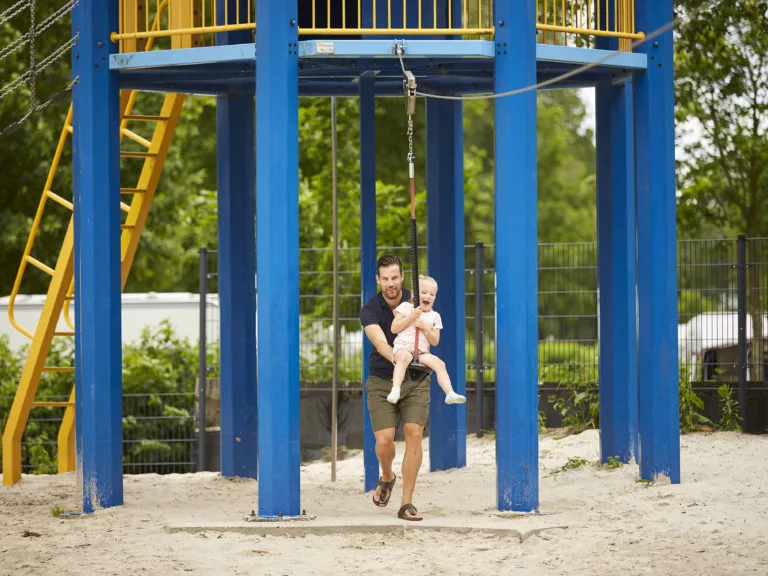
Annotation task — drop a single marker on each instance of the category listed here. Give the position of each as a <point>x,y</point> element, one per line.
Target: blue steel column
<point>98,390</point>
<point>236,165</point>
<point>616,270</point>
<point>76,107</point>
<point>368,252</point>
<point>277,256</point>
<point>445,252</point>
<point>517,442</point>
<point>659,423</point>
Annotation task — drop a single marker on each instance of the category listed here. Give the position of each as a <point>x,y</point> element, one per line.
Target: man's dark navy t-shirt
<point>377,311</point>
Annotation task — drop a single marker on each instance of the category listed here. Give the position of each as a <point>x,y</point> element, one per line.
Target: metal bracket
<point>409,83</point>
<point>253,517</point>
<point>621,78</point>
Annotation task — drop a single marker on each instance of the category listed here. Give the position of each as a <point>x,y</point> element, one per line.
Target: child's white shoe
<point>453,398</point>
<point>394,396</point>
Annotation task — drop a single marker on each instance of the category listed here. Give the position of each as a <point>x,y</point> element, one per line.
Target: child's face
<point>427,294</point>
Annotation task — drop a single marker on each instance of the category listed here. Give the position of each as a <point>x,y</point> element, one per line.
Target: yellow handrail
<point>590,31</point>
<point>36,225</point>
<point>479,11</point>
<point>556,20</point>
<point>587,18</point>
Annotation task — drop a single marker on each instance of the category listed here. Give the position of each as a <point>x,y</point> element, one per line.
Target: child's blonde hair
<point>427,278</point>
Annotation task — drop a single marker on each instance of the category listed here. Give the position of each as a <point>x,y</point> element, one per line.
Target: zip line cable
<point>539,85</point>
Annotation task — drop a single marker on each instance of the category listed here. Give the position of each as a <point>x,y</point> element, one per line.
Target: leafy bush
<point>158,364</point>
<point>41,460</point>
<point>691,418</point>
<point>730,419</point>
<point>574,368</point>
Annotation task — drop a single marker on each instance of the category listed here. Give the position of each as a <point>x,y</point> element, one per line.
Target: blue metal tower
<point>258,63</point>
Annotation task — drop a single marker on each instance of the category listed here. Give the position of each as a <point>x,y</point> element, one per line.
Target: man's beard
<point>393,293</point>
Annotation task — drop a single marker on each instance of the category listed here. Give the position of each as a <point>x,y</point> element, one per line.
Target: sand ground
<point>596,521</point>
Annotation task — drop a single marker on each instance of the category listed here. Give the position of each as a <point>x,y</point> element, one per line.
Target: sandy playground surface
<point>602,521</point>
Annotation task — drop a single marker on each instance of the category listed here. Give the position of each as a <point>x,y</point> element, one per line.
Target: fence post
<point>741,282</point>
<point>203,369</point>
<point>336,327</point>
<point>479,358</point>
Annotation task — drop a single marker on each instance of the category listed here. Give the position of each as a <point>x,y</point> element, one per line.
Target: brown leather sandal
<point>386,492</point>
<point>409,512</point>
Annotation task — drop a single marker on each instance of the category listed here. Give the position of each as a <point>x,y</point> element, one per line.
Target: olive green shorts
<point>413,406</point>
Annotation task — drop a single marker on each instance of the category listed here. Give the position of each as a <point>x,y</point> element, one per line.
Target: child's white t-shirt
<point>407,338</point>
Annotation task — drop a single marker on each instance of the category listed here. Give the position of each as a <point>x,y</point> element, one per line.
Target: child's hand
<point>416,313</point>
<point>421,324</point>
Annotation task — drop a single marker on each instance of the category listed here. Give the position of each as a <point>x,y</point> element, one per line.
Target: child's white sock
<point>453,398</point>
<point>394,396</point>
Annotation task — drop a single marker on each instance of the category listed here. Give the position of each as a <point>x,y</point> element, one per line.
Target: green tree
<point>25,155</point>
<point>183,216</point>
<point>722,93</point>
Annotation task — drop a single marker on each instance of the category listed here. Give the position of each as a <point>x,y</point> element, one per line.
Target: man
<point>412,409</point>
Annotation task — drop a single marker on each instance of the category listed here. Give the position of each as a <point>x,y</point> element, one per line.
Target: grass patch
<point>613,463</point>
<point>572,464</point>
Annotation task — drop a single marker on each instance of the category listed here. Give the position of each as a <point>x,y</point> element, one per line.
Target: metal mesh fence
<point>567,309</point>
<point>160,431</point>
<point>757,304</point>
<point>707,310</point>
<point>158,434</point>
<point>39,440</point>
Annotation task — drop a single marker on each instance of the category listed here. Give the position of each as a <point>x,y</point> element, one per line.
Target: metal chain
<point>13,46</point>
<point>32,81</point>
<point>53,18</point>
<point>13,10</point>
<point>35,67</point>
<point>409,89</point>
<point>55,99</point>
<point>44,25</point>
<point>8,88</point>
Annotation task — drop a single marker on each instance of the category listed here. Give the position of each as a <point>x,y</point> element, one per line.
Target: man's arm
<point>376,335</point>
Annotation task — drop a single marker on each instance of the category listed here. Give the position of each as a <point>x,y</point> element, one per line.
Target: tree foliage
<point>722,91</point>
<point>722,113</point>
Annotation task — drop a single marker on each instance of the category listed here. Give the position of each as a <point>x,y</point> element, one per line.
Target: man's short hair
<point>388,260</point>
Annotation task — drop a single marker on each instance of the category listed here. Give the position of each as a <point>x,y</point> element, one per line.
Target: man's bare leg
<point>385,452</point>
<point>411,460</point>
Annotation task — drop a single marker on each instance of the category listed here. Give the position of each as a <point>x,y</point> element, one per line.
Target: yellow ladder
<point>153,153</point>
